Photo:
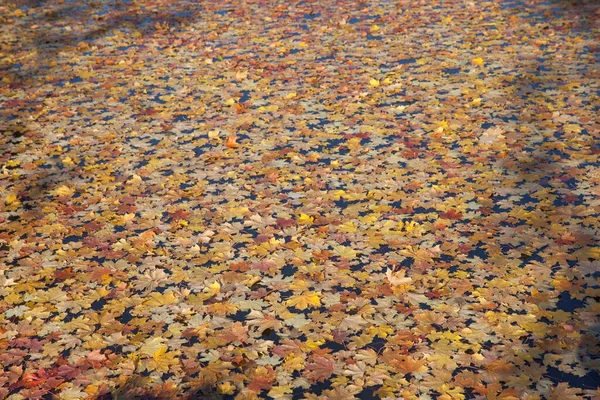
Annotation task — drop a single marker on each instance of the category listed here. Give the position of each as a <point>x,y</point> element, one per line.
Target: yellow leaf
<point>370,218</point>
<point>213,289</point>
<point>381,331</point>
<point>161,351</point>
<point>13,298</point>
<point>451,336</point>
<point>298,284</point>
<point>345,252</point>
<point>225,308</point>
<point>305,219</point>
<point>86,74</point>
<point>11,199</point>
<point>455,393</point>
<point>293,363</point>
<point>348,227</point>
<point>158,299</point>
<point>572,128</point>
<point>163,360</point>
<point>304,300</point>
<point>313,344</point>
<point>64,190</point>
<point>374,82</point>
<point>381,208</point>
<point>68,161</point>
<point>353,144</point>
<point>413,228</point>
<point>151,346</point>
<point>477,61</point>
<point>290,95</point>
<point>337,194</point>
<point>237,212</point>
<point>280,392</point>
<point>226,388</point>
<point>252,281</point>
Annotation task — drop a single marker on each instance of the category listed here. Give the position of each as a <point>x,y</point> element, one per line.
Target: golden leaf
<point>304,300</point>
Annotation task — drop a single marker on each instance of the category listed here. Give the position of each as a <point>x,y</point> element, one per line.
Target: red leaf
<point>319,370</point>
<point>451,214</point>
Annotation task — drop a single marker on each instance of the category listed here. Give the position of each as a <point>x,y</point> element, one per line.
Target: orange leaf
<point>232,142</point>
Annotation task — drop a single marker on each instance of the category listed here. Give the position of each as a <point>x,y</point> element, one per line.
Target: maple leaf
<point>232,142</point>
<point>451,393</point>
<point>213,289</point>
<point>64,191</point>
<point>562,391</point>
<point>72,393</point>
<point>298,285</point>
<point>398,278</point>
<point>162,360</point>
<point>403,364</point>
<point>265,265</point>
<point>377,377</point>
<point>352,323</point>
<point>263,321</point>
<point>491,136</point>
<point>152,345</point>
<point>68,371</point>
<point>280,392</point>
<point>51,295</point>
<point>304,300</point>
<point>442,361</point>
<point>285,223</point>
<point>304,219</point>
<point>348,227</point>
<point>223,308</point>
<point>380,331</point>
<point>96,358</point>
<point>235,333</point>
<point>210,374</point>
<point>206,236</point>
<point>226,388</point>
<point>12,200</point>
<point>320,369</point>
<point>159,299</point>
<point>345,252</point>
<point>261,378</point>
<point>356,371</point>
<point>339,336</point>
<point>368,356</point>
<point>451,214</point>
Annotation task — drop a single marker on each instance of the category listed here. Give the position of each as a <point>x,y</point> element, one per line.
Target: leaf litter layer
<point>314,199</point>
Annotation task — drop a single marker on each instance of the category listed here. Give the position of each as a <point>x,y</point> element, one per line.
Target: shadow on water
<point>551,158</point>
<point>46,34</point>
<point>39,40</point>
